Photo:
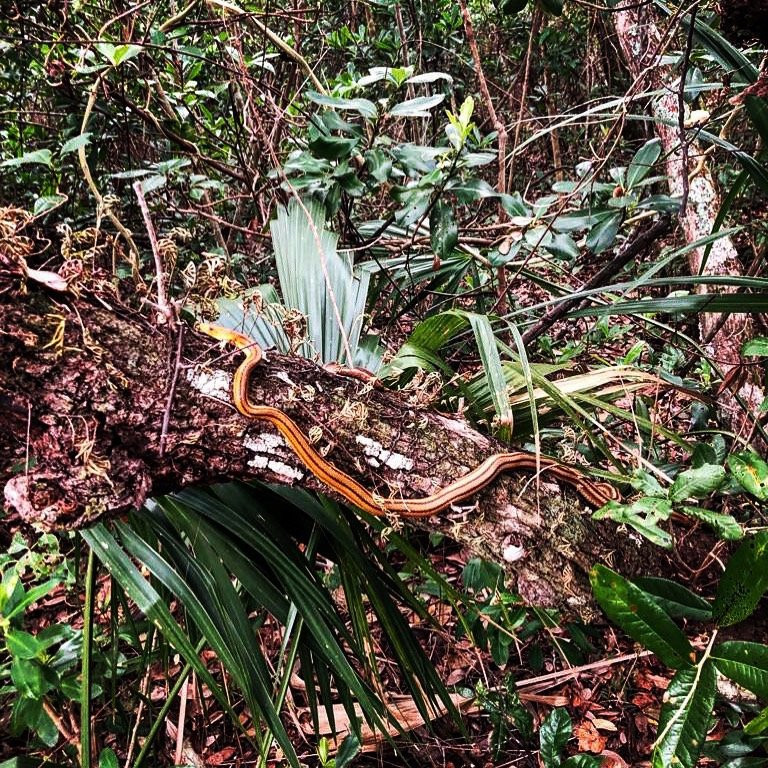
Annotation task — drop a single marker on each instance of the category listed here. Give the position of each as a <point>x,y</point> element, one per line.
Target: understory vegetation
<point>502,214</point>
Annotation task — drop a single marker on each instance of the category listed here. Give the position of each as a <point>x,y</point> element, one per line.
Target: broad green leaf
<point>744,581</point>
<point>27,676</point>
<point>562,246</point>
<point>685,716</point>
<point>643,161</point>
<point>676,600</point>
<point>429,77</point>
<point>362,106</point>
<point>32,596</point>
<point>583,761</point>
<point>116,54</point>
<point>471,190</point>
<point>745,663</point>
<point>108,759</point>
<point>514,205</point>
<point>22,645</point>
<point>661,203</point>
<point>74,144</point>
<point>757,347</point>
<point>697,483</point>
<point>725,526</point>
<point>443,232</point>
<point>640,617</point>
<point>48,203</point>
<point>36,157</point>
<point>348,751</point>
<point>418,107</point>
<point>332,147</point>
<point>603,235</point>
<point>751,472</point>
<point>553,736</point>
<point>643,515</point>
<point>758,725</point>
<point>379,164</point>
<point>510,7</point>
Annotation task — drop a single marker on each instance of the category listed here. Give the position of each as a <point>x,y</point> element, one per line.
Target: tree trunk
<point>690,178</point>
<point>100,409</point>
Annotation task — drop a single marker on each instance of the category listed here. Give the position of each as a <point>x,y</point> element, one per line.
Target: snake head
<point>224,335</point>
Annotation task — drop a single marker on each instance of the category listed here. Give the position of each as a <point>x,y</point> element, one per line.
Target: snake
<point>597,494</point>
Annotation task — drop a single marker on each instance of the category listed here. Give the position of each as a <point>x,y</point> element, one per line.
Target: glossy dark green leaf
<point>660,203</point>
<point>603,235</point>
<point>562,246</point>
<point>553,736</point>
<point>348,751</point>
<point>583,761</point>
<point>640,617</point>
<point>685,717</point>
<point>678,601</point>
<point>443,231</point>
<point>332,147</point>
<point>744,581</point>
<point>752,473</point>
<point>511,7</point>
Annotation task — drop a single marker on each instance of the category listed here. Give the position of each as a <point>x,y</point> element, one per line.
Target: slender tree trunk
<point>690,178</point>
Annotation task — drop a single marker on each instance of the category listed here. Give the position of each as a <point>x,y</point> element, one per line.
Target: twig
<point>501,131</point>
<point>681,112</point>
<point>564,674</point>
<point>172,389</point>
<point>162,299</point>
<point>631,249</point>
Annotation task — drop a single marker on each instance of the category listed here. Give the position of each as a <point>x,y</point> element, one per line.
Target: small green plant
<point>34,665</point>
<point>554,734</point>
<point>348,750</point>
<point>646,610</point>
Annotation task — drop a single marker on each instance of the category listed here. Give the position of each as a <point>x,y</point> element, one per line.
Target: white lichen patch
<point>266,443</point>
<point>377,453</point>
<point>216,383</point>
<point>512,553</point>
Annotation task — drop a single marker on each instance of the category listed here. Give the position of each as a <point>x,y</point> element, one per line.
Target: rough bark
<point>642,45</point>
<point>84,393</point>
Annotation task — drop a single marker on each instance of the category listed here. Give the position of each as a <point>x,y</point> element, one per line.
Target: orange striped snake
<point>594,493</point>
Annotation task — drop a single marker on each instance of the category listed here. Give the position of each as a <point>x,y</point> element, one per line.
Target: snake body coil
<point>594,493</point>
